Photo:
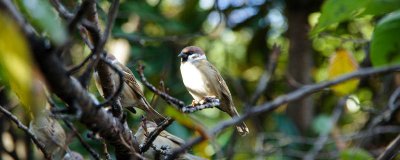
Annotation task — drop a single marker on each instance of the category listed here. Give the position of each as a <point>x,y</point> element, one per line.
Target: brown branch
<point>153,135</point>
<point>85,145</point>
<point>26,130</point>
<point>391,150</point>
<point>169,99</point>
<point>284,99</point>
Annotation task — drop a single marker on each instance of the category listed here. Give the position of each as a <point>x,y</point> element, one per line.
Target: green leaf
<point>335,11</point>
<point>322,124</point>
<point>42,16</point>
<point>355,154</point>
<point>385,43</point>
<point>379,7</point>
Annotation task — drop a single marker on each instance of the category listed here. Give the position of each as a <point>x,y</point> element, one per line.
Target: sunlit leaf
<point>335,11</point>
<point>42,16</point>
<point>15,61</point>
<point>355,154</point>
<point>385,43</point>
<point>341,63</point>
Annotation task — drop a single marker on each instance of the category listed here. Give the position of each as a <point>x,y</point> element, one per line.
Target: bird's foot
<point>194,103</point>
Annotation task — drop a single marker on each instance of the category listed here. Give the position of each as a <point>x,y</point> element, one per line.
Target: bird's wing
<point>220,88</point>
<point>131,82</point>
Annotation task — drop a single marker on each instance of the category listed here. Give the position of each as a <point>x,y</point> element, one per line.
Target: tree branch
<point>85,145</point>
<point>153,135</point>
<point>26,130</point>
<point>391,150</point>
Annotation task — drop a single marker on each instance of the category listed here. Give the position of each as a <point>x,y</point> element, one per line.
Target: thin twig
<point>78,16</point>
<point>153,135</point>
<point>266,76</point>
<point>106,153</point>
<point>279,101</point>
<point>26,130</point>
<point>85,145</point>
<point>391,150</point>
<point>320,142</point>
<point>393,99</point>
<point>169,99</point>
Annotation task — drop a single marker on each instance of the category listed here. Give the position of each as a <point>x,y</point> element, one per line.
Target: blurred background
<point>238,37</point>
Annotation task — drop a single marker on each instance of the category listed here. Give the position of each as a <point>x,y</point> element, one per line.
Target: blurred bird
<point>131,95</point>
<point>50,133</point>
<point>204,82</point>
<point>165,141</point>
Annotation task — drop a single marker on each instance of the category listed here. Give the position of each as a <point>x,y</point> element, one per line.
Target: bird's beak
<point>181,55</point>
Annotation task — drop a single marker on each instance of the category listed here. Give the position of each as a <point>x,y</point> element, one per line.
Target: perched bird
<point>131,94</point>
<point>165,141</point>
<point>203,82</point>
<point>50,133</point>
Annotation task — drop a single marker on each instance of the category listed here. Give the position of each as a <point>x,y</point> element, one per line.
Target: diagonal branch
<point>154,134</point>
<point>391,150</point>
<point>26,130</point>
<point>284,99</point>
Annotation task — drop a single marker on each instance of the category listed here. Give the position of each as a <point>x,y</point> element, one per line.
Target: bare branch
<point>266,76</point>
<point>85,145</point>
<point>153,135</point>
<point>391,150</point>
<point>320,142</point>
<point>26,130</point>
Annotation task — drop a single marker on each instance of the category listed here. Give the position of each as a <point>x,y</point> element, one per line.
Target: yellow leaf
<point>185,120</point>
<point>342,62</point>
<point>15,61</point>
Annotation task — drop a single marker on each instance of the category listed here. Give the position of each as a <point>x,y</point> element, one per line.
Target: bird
<point>165,141</point>
<point>204,82</point>
<point>50,133</point>
<point>131,95</point>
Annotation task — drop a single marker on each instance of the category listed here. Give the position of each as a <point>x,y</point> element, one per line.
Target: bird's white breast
<point>193,79</point>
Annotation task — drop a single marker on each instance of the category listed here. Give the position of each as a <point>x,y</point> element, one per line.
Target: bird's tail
<point>151,113</point>
<point>241,127</point>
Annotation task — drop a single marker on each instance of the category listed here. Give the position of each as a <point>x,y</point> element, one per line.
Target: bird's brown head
<point>191,53</point>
